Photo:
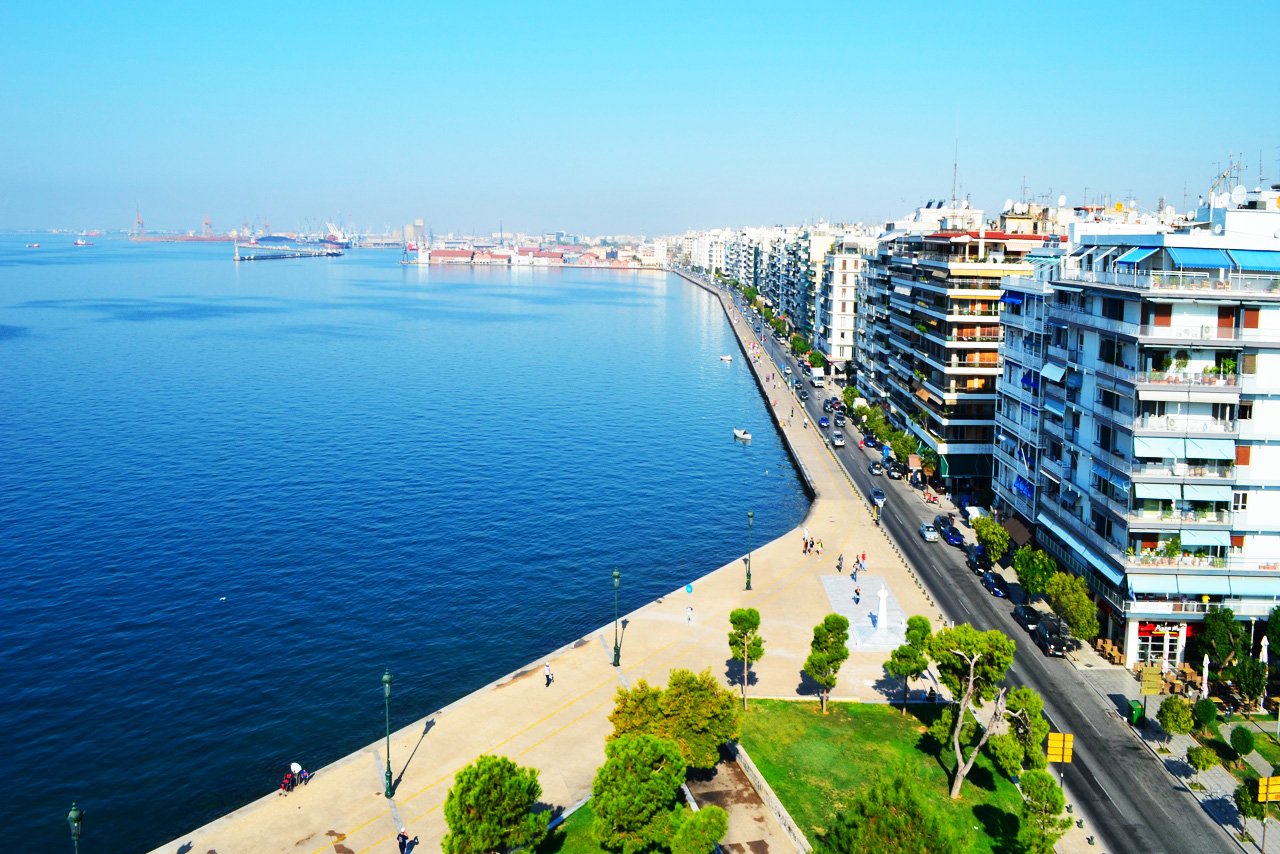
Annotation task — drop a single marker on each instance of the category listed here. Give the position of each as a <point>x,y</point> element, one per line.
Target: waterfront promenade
<point>560,730</point>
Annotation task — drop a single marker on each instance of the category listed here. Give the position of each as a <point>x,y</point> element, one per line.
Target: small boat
<point>83,242</point>
<point>741,435</point>
<point>726,358</point>
<point>33,245</point>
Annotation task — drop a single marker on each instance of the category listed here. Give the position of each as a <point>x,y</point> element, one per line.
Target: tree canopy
<point>699,832</point>
<point>828,650</point>
<point>489,808</point>
<point>1221,636</point>
<point>636,793</point>
<point>910,660</point>
<point>1251,678</point>
<point>1242,741</point>
<point>1034,567</point>
<point>1175,715</point>
<point>694,711</point>
<point>1069,598</point>
<point>892,814</point>
<point>1042,821</point>
<point>745,643</point>
<point>991,536</point>
<point>1022,745</point>
<point>816,359</point>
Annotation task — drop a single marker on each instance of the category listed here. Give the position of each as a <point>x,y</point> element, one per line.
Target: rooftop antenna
<point>955,160</point>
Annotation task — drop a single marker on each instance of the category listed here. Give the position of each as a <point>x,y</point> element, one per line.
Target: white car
<point>837,439</point>
<point>787,370</point>
<point>928,533</point>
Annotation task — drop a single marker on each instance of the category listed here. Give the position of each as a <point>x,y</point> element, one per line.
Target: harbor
<point>272,252</point>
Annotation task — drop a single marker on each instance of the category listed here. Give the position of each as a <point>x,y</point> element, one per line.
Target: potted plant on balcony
<point>1172,547</point>
<point>1182,358</point>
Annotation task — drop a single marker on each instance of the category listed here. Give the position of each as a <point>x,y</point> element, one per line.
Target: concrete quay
<point>560,729</point>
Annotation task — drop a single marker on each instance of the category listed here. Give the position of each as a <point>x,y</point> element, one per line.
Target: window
<point>1246,410</point>
<point>1242,454</point>
<point>1163,314</point>
<point>1239,501</point>
<point>1250,318</point>
<point>1249,363</point>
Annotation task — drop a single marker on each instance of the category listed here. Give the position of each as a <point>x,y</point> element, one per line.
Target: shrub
<point>1242,741</point>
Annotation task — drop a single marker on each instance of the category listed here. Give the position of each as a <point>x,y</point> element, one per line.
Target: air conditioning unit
<point>1206,332</point>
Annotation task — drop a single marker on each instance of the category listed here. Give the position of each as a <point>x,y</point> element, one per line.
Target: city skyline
<point>591,121</point>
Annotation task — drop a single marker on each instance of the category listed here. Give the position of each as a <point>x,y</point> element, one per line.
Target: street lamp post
<point>617,644</point>
<point>751,517</point>
<point>75,818</point>
<point>386,695</point>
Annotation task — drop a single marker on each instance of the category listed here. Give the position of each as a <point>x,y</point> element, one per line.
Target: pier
<point>270,253</point>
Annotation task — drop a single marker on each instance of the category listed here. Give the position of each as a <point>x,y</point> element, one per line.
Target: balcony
<point>1218,283</point>
<point>1184,424</point>
<point>1076,317</point>
<point>1173,518</point>
<point>1203,335</point>
<point>1224,471</point>
<point>1228,383</point>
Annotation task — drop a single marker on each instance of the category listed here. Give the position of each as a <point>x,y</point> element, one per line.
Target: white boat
<point>726,358</point>
<point>741,435</point>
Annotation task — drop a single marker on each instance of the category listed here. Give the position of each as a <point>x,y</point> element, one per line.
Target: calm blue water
<point>230,495</point>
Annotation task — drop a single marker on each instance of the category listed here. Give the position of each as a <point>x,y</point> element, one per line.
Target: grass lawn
<point>574,836</point>
<point>818,764</point>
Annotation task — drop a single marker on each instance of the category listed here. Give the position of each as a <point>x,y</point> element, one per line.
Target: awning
<point>1148,446</point>
<point>1055,406</point>
<point>1053,372</point>
<point>1161,394</point>
<point>1167,491</point>
<point>1256,259</point>
<point>1207,492</point>
<point>1011,297</point>
<point>1203,259</point>
<point>1074,379</point>
<point>902,290</point>
<point>1109,572</point>
<point>1067,288</point>
<point>1098,257</point>
<point>1211,449</point>
<point>1023,487</point>
<point>1198,537</point>
<point>1101,471</point>
<point>1153,583</point>
<point>1200,585</point>
<point>1136,255</point>
<point>1247,585</point>
<point>1019,534</point>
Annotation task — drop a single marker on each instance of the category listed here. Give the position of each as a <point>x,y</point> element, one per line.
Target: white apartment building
<point>835,331</point>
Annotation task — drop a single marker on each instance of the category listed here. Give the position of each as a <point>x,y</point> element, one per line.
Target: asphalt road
<point>1128,797</point>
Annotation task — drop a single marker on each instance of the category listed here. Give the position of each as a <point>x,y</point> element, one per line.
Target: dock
<point>270,253</point>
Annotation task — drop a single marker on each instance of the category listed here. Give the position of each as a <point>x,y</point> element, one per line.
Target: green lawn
<point>574,836</point>
<point>818,764</point>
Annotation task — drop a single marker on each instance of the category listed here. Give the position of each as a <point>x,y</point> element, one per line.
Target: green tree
<point>1006,753</point>
<point>918,632</point>
<point>971,664</point>
<point>1251,678</point>
<point>1204,713</point>
<point>1175,715</point>
<point>828,650</point>
<point>816,359</point>
<point>799,345</point>
<point>694,711</point>
<point>745,643</point>
<point>1022,744</point>
<point>1242,741</point>
<point>636,793</point>
<point>851,395</point>
<point>1246,800</point>
<point>1042,821</point>
<point>779,325</point>
<point>1201,759</point>
<point>750,295</point>
<point>489,808</point>
<point>892,814</point>
<point>992,537</point>
<point>699,832</point>
<point>928,460</point>
<point>1273,629</point>
<point>903,446</point>
<point>1069,598</point>
<point>1034,567</point>
<point>906,663</point>
<point>767,313</point>
<point>1221,636</point>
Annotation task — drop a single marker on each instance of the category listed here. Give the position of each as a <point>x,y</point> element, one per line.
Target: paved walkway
<point>560,729</point>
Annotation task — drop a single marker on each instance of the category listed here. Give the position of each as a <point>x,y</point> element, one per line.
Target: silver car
<point>837,439</point>
<point>928,533</point>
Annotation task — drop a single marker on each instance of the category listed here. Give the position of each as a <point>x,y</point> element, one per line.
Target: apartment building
<point>835,329</point>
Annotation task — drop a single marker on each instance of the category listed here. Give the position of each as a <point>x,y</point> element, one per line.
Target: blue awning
<point>1197,537</point>
<point>1136,254</point>
<point>1012,298</point>
<point>1255,585</point>
<point>1256,259</point>
<point>1054,406</point>
<point>1166,491</point>
<point>1149,446</point>
<point>1109,572</point>
<point>1153,583</point>
<point>1202,259</point>
<point>1053,372</point>
<point>1101,471</point>
<point>1075,380</point>
<point>1207,492</point>
<point>1119,481</point>
<point>1211,449</point>
<point>1201,585</point>
<point>1023,487</point>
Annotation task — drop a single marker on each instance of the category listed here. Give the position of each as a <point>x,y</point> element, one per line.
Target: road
<point>1120,785</point>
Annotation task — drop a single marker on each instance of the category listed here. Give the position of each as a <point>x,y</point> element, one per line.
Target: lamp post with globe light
<point>617,643</point>
<point>751,517</point>
<point>75,818</point>
<point>386,695</point>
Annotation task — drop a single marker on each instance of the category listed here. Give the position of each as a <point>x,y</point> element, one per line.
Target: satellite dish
<point>1238,193</point>
<point>1020,208</point>
<point>964,206</point>
<point>1170,210</point>
<point>1008,206</point>
<point>1220,201</point>
<point>1062,201</point>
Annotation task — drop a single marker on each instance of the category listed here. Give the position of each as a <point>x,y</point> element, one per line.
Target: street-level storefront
<point>1161,642</point>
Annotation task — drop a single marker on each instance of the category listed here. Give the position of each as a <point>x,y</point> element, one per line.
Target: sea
<point>233,495</point>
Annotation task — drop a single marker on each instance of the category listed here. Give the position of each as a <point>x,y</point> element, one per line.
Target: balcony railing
<point>1067,314</point>
<point>1181,517</point>
<point>1187,378</point>
<point>1174,280</point>
<point>1223,470</point>
<point>1184,424</point>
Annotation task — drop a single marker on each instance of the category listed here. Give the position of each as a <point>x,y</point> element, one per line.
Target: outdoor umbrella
<point>1205,685</point>
<point>295,768</point>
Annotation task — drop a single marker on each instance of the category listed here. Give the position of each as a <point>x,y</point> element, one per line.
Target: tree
<point>1204,713</point>
<point>971,664</point>
<point>903,446</point>
<point>1250,677</point>
<point>699,832</point>
<point>1034,567</point>
<point>892,814</point>
<point>1246,799</point>
<point>851,395</point>
<point>1069,598</point>
<point>636,793</point>
<point>906,663</point>
<point>928,461</point>
<point>1022,745</point>
<point>799,345</point>
<point>750,295</point>
<point>1273,629</point>
<point>816,359</point>
<point>1242,741</point>
<point>1042,821</point>
<point>489,808</point>
<point>745,643</point>
<point>694,711</point>
<point>1201,758</point>
<point>1221,637</point>
<point>828,650</point>
<point>992,537</point>
<point>1175,715</point>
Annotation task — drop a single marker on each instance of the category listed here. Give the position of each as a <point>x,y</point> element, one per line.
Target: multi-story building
<point>835,328</point>
<point>1158,475</point>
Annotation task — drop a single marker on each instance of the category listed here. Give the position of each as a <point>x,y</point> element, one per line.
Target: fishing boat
<point>726,358</point>
<point>741,435</point>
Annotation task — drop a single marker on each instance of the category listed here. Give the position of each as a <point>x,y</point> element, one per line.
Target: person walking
<point>402,840</point>
<point>857,595</point>
<point>819,548</point>
<point>688,614</point>
<point>546,671</point>
<point>840,562</point>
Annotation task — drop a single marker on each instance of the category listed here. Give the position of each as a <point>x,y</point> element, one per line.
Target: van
<point>816,378</point>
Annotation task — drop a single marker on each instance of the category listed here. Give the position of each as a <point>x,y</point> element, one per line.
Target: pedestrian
<point>819,548</point>
<point>804,546</point>
<point>840,563</point>
<point>305,776</point>
<point>546,671</point>
<point>857,595</point>
<point>413,843</point>
<point>806,423</point>
<point>688,614</point>
<point>402,840</point>
<point>793,413</point>
<point>284,785</point>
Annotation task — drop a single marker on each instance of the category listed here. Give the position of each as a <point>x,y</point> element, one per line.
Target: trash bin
<point>1135,712</point>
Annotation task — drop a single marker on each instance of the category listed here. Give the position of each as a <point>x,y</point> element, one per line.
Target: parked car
<point>1027,617</point>
<point>878,497</point>
<point>951,535</point>
<point>976,558</point>
<point>839,420</point>
<point>893,470</point>
<point>928,533</point>
<point>1052,636</point>
<point>824,422</point>
<point>995,584</point>
<point>787,370</point>
<point>875,468</point>
<point>870,441</point>
<point>837,439</point>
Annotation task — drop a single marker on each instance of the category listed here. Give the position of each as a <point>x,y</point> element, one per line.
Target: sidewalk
<point>560,729</point>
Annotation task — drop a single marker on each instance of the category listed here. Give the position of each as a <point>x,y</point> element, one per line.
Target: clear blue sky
<point>615,117</point>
